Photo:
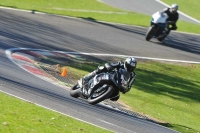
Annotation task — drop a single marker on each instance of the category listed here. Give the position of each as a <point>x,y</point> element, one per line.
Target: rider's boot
<point>84,82</point>
<point>162,37</point>
<point>165,34</point>
<point>83,87</point>
<point>86,78</point>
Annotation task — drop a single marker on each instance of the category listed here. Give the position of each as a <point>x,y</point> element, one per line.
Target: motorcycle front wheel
<point>97,97</point>
<point>75,90</point>
<point>150,33</point>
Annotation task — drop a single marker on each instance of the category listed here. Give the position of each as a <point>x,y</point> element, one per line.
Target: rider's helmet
<point>174,8</point>
<point>130,64</point>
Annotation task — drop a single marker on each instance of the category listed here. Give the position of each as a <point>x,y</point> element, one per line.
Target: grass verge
<point>190,7</point>
<point>18,116</point>
<point>167,92</point>
<point>89,9</point>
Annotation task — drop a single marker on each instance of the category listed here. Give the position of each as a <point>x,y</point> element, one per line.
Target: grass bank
<point>94,10</point>
<point>22,117</point>
<point>167,92</point>
<point>190,7</point>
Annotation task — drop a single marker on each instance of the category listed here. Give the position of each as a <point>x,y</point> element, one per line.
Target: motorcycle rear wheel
<point>96,99</point>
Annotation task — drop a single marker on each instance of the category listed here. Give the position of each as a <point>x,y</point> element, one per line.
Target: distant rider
<point>173,17</point>
<point>128,65</point>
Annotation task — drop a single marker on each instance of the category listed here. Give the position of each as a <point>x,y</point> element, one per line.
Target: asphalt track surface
<point>147,7</point>
<point>28,30</point>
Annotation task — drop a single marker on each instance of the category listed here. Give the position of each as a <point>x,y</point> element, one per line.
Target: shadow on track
<point>19,31</point>
<point>184,42</point>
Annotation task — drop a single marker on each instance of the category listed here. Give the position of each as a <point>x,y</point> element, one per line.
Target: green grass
<point>190,7</point>
<point>63,7</point>
<point>167,92</point>
<point>22,117</point>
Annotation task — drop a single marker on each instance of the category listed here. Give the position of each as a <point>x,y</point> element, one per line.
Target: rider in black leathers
<point>129,65</point>
<point>173,17</point>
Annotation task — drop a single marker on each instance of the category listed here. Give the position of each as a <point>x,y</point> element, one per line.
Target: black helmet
<point>130,64</point>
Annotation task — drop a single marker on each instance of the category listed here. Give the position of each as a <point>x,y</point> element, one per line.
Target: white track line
<point>8,52</point>
<point>137,57</point>
<point>8,8</point>
<point>94,11</point>
<point>179,12</point>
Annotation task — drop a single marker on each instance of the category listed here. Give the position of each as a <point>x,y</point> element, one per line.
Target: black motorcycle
<point>102,86</point>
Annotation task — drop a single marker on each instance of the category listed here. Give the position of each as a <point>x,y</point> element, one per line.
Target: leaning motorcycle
<point>102,86</point>
<point>158,26</point>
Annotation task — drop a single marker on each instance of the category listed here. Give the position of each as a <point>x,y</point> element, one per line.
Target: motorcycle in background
<point>158,26</point>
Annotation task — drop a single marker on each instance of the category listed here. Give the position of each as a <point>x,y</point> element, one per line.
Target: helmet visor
<point>130,67</point>
<point>174,9</point>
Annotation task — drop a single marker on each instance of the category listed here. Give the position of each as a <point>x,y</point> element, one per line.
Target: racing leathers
<point>172,18</point>
<point>171,21</point>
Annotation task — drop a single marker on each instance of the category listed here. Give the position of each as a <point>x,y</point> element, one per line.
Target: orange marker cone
<point>64,72</point>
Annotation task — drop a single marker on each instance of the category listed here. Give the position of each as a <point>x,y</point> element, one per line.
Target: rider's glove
<point>108,67</point>
<point>171,22</point>
<point>173,28</point>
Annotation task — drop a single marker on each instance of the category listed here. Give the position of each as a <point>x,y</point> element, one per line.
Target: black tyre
<point>115,98</point>
<point>115,95</point>
<point>162,38</point>
<point>150,33</point>
<point>95,98</point>
<point>75,91</point>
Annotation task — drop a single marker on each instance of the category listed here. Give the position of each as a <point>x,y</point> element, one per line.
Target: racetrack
<point>21,29</point>
<point>147,7</point>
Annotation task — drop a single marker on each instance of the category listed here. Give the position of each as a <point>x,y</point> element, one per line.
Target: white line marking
<point>100,1</point>
<point>180,12</point>
<point>8,8</point>
<point>8,51</point>
<point>115,125</point>
<point>8,54</point>
<point>138,57</point>
<point>93,11</point>
<point>106,122</point>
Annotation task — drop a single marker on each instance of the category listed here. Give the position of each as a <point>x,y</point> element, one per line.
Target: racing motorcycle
<point>158,26</point>
<point>102,86</point>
